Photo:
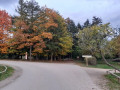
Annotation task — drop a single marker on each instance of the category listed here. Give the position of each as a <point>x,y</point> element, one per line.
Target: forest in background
<point>45,35</point>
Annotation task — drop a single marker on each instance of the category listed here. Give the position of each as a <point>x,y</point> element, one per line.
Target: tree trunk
<point>51,57</point>
<point>47,57</point>
<point>108,62</point>
<point>60,57</point>
<point>55,58</point>
<point>71,55</point>
<point>37,57</point>
<point>21,56</point>
<point>30,53</point>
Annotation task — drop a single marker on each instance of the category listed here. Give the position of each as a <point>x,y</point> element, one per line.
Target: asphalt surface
<point>50,76</point>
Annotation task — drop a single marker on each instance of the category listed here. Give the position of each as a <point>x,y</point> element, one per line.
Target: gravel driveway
<point>50,76</point>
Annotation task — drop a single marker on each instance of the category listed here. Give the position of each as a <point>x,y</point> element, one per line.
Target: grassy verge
<point>6,74</point>
<point>100,64</point>
<point>105,66</point>
<point>113,82</point>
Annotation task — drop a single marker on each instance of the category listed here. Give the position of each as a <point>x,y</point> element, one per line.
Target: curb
<point>17,73</point>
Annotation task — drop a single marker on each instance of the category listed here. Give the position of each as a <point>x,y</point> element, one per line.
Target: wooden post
<point>26,55</point>
<point>86,61</point>
<point>86,58</point>
<point>115,70</point>
<point>51,57</point>
<point>30,52</point>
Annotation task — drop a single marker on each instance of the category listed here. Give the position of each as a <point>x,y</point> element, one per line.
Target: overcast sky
<point>78,10</point>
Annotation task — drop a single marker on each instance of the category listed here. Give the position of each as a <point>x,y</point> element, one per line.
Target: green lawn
<point>105,66</point>
<point>113,83</point>
<point>100,64</point>
<point>6,74</point>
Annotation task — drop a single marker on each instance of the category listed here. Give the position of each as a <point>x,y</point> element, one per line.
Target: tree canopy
<point>44,34</point>
<point>5,25</point>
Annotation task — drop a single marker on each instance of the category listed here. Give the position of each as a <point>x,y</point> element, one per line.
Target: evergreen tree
<point>79,27</point>
<point>21,9</point>
<point>33,11</point>
<point>96,21</point>
<point>72,28</point>
<point>87,23</point>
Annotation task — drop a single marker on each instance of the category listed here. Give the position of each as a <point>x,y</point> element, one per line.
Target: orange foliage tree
<point>43,23</point>
<point>61,41</point>
<point>23,41</point>
<point>19,39</point>
<point>5,25</point>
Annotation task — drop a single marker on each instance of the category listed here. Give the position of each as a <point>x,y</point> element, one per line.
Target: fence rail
<point>113,72</point>
<point>5,69</point>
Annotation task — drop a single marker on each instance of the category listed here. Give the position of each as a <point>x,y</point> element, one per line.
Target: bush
<point>3,56</point>
<point>92,61</point>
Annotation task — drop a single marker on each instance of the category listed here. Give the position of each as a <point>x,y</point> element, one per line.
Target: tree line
<point>44,34</point>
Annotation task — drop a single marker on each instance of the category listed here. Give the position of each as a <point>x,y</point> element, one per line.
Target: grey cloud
<point>7,2</point>
<point>115,21</point>
<point>78,10</point>
<point>9,6</point>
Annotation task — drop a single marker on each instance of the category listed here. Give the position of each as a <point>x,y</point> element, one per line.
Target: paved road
<point>50,76</point>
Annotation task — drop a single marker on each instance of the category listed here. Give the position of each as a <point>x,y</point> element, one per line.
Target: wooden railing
<point>113,72</point>
<point>5,69</point>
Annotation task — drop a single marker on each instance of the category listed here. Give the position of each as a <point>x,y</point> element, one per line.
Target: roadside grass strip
<point>113,83</point>
<point>5,72</point>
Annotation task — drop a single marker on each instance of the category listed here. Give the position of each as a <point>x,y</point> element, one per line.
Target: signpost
<point>86,58</point>
<point>26,55</point>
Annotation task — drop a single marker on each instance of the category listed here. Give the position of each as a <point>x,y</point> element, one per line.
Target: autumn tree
<point>29,12</point>
<point>65,39</point>
<point>19,38</point>
<point>22,40</point>
<point>41,26</point>
<point>61,41</point>
<point>5,25</point>
<point>26,36</point>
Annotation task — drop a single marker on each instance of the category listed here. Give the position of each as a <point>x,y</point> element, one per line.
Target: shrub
<point>92,61</point>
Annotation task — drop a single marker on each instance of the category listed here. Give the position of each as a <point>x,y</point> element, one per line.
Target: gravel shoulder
<point>98,76</point>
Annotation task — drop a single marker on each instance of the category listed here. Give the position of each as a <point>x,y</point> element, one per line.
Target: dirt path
<point>97,76</point>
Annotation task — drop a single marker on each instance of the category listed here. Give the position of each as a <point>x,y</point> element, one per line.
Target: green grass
<point>6,74</point>
<point>100,64</point>
<point>113,83</point>
<point>1,68</point>
<point>104,66</point>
